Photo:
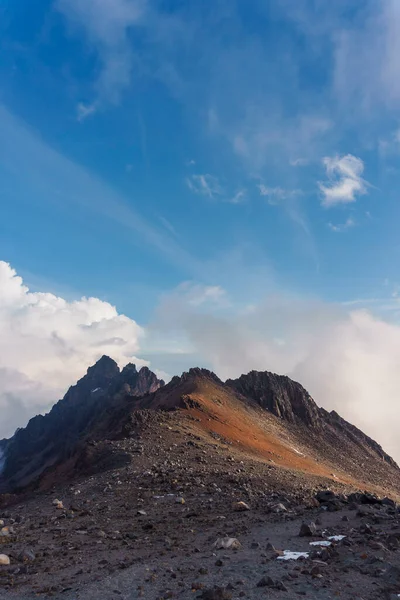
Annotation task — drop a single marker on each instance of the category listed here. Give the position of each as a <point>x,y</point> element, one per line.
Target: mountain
<point>132,488</point>
<point>261,415</point>
<point>52,438</point>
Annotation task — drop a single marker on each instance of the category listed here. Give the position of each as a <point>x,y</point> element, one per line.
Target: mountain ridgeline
<point>263,414</point>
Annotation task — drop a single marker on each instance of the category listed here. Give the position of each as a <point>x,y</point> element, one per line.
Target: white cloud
<point>345,175</point>
<point>197,295</point>
<point>107,24</point>
<point>277,194</point>
<point>239,197</point>
<point>347,359</point>
<point>367,58</point>
<point>47,343</point>
<point>206,185</point>
<point>84,110</point>
<point>342,227</point>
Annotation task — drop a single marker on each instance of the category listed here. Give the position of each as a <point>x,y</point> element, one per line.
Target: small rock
<point>308,529</point>
<point>240,506</point>
<point>279,508</point>
<point>325,496</point>
<point>142,513</point>
<point>266,581</point>
<point>5,532</point>
<point>197,585</point>
<point>179,500</point>
<point>225,543</point>
<point>377,546</point>
<point>345,518</point>
<point>27,555</point>
<point>4,559</point>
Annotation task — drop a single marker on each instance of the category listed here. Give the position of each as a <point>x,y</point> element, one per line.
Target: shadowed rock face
<point>280,395</point>
<point>289,401</point>
<point>51,438</point>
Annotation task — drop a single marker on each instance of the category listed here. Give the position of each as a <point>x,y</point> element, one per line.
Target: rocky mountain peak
<point>105,367</point>
<point>280,395</point>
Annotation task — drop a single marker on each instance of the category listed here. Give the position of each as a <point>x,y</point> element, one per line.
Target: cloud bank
<point>349,360</point>
<point>47,343</point>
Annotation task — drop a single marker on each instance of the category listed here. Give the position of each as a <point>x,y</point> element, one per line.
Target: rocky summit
<point>130,488</point>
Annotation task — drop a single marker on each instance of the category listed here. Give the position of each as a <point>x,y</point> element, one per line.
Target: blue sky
<point>182,112</point>
<point>225,153</point>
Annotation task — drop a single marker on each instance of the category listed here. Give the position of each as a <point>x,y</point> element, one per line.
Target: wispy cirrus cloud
<point>83,111</point>
<point>106,25</point>
<point>348,224</point>
<point>56,179</point>
<point>345,180</point>
<point>275,195</point>
<point>205,185</point>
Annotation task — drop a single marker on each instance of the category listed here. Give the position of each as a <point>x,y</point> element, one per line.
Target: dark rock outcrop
<point>291,402</point>
<point>51,438</point>
<point>280,395</point>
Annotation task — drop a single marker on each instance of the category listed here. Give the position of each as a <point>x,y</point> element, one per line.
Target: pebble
<point>308,529</point>
<point>4,559</point>
<point>5,532</point>
<point>226,543</point>
<point>240,506</point>
<point>27,555</point>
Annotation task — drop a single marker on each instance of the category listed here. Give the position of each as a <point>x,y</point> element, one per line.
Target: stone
<point>325,496</point>
<point>26,555</point>
<point>179,500</point>
<point>279,508</point>
<point>5,532</point>
<point>142,513</point>
<point>266,581</point>
<point>227,543</point>
<point>308,529</point>
<point>240,506</point>
<point>4,559</point>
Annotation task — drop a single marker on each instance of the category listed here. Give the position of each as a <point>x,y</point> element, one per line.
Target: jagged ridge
<point>261,412</point>
<point>51,438</point>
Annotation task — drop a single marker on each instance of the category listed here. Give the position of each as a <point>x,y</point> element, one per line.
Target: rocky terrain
<point>196,489</point>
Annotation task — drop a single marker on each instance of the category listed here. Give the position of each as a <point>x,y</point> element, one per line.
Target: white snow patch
<point>336,538</point>
<point>321,543</point>
<point>297,451</point>
<point>289,555</point>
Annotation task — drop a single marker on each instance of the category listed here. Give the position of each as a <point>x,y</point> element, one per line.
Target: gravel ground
<point>148,530</point>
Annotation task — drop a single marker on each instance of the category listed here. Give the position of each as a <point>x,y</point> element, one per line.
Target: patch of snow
<point>324,543</point>
<point>289,555</point>
<point>297,451</point>
<point>336,538</point>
